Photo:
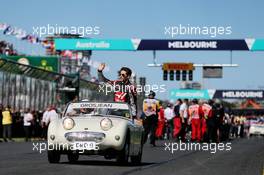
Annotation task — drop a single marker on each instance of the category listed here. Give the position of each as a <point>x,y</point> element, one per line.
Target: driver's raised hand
<point>101,67</point>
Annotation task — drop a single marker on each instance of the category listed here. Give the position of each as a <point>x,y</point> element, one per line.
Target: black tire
<point>136,160</point>
<point>54,156</point>
<point>123,155</point>
<point>73,157</point>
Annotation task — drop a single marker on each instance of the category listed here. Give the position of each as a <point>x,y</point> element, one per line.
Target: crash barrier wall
<point>24,86</point>
<point>21,92</point>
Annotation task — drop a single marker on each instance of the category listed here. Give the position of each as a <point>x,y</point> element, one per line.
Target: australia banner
<point>159,44</point>
<point>213,94</point>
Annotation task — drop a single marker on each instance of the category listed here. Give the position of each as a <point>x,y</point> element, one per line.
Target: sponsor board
<point>212,93</point>
<point>159,44</point>
<point>189,94</point>
<point>47,63</point>
<point>212,72</point>
<point>239,94</point>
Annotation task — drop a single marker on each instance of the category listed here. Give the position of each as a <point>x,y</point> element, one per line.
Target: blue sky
<point>147,19</point>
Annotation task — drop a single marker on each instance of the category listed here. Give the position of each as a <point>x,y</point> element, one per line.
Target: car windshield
<point>89,109</point>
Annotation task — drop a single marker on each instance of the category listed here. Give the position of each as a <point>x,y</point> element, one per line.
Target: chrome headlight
<point>106,124</point>
<point>68,123</point>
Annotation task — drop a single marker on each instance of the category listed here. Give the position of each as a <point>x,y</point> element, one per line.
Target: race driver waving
<point>124,90</point>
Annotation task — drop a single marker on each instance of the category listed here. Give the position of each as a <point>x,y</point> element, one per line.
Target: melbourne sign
<point>159,44</point>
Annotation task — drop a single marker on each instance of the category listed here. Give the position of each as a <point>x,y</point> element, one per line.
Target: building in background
<point>71,61</point>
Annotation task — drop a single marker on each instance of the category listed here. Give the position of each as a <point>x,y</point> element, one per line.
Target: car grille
<point>85,136</point>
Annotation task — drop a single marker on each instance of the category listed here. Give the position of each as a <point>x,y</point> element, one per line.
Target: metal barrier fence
<point>21,92</point>
<point>24,86</point>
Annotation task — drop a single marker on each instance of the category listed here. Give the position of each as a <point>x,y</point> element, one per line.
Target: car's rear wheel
<point>123,155</point>
<point>54,156</point>
<point>73,157</point>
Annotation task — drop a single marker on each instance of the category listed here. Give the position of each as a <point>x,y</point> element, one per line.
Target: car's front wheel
<point>123,155</point>
<point>54,156</point>
<point>136,160</point>
<point>73,157</point>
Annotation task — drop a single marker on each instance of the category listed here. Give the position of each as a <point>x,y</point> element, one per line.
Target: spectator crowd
<point>25,123</point>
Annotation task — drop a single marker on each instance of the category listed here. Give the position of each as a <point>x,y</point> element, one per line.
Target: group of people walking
<point>201,119</point>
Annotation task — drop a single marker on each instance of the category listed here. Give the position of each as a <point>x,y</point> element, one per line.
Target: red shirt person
<point>207,110</point>
<point>161,123</point>
<point>195,113</point>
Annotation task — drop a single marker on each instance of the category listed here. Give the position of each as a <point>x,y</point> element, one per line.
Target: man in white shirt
<point>28,118</point>
<point>51,115</point>
<point>184,110</point>
<point>43,124</point>
<point>169,115</point>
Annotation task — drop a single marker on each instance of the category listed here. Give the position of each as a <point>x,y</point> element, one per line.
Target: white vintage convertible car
<point>88,128</point>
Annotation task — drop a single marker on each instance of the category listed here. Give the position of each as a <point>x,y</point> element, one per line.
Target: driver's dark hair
<point>127,70</point>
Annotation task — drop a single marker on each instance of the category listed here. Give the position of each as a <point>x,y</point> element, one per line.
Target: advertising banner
<point>214,94</point>
<point>191,94</point>
<point>159,44</point>
<point>212,72</point>
<point>239,94</point>
<point>48,63</point>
